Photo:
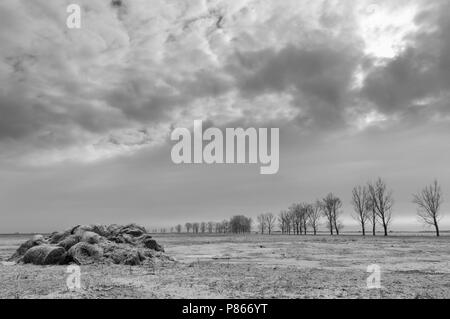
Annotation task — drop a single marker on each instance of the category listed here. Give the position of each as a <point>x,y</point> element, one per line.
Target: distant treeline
<point>372,206</point>
<point>238,224</point>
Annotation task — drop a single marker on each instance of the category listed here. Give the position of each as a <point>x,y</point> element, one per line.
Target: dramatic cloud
<point>135,65</point>
<point>326,72</point>
<point>417,81</point>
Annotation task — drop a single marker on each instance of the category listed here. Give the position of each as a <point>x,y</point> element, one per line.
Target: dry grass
<point>252,267</point>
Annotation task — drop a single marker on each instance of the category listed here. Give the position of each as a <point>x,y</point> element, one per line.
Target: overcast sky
<point>359,89</point>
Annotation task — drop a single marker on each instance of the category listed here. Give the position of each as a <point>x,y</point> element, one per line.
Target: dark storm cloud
<point>139,99</point>
<point>109,75</point>
<point>122,73</point>
<point>85,85</point>
<point>21,117</point>
<point>417,81</point>
<point>319,78</point>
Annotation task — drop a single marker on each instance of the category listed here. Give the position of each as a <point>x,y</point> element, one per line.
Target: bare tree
<point>289,224</point>
<point>226,226</point>
<point>331,209</point>
<point>195,227</point>
<point>327,211</point>
<point>270,222</point>
<point>360,202</point>
<point>188,227</point>
<point>202,227</point>
<point>429,201</point>
<point>371,210</point>
<point>382,202</point>
<point>261,219</point>
<point>314,216</point>
<point>240,224</point>
<point>336,212</point>
<point>210,227</point>
<point>295,218</point>
<point>284,222</point>
<point>304,216</point>
<point>178,228</point>
<point>300,218</point>
<point>222,227</point>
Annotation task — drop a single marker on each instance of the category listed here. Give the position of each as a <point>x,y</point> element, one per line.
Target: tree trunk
<point>336,228</point>
<point>437,227</point>
<point>363,229</point>
<point>374,225</point>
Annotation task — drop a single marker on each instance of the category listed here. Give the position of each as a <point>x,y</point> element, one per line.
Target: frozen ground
<point>252,266</point>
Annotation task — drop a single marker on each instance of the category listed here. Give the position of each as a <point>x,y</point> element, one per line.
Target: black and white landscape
<point>224,149</point>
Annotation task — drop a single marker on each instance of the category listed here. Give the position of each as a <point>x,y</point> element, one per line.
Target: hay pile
<point>44,255</point>
<point>88,244</point>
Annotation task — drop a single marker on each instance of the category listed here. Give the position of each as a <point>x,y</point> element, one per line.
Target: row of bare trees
<point>204,227</point>
<point>240,224</point>
<point>266,223</point>
<point>372,204</point>
<point>237,224</point>
<point>299,218</point>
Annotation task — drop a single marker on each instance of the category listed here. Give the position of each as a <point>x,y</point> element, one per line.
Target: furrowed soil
<point>250,266</point>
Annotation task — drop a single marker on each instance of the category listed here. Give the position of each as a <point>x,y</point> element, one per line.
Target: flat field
<point>251,266</point>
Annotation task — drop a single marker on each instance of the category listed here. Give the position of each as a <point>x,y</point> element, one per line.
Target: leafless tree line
<point>203,227</point>
<point>266,223</point>
<point>237,224</point>
<point>299,218</point>
<point>372,204</point>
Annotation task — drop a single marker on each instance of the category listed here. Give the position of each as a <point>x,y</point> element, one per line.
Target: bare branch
<point>429,202</point>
